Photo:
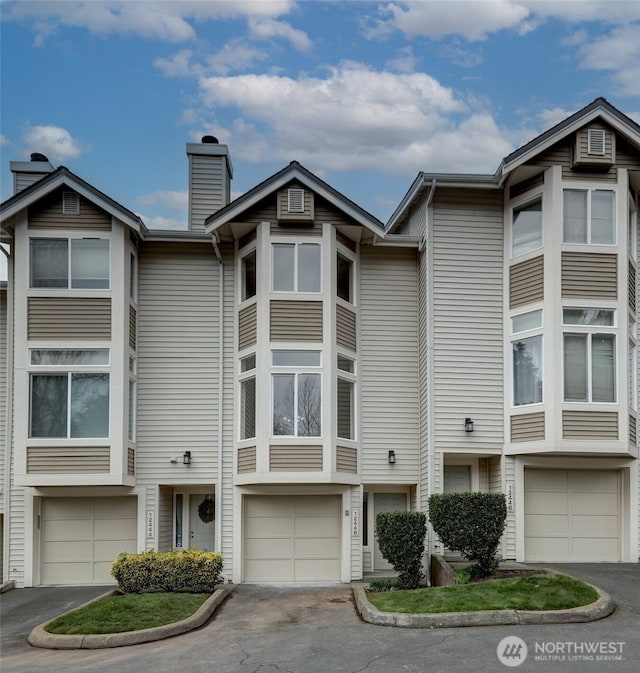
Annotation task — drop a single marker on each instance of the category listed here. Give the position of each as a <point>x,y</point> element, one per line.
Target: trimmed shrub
<point>401,540</point>
<point>191,571</point>
<point>471,524</point>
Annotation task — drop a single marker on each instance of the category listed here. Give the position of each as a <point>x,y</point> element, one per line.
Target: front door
<point>200,532</point>
<point>385,502</point>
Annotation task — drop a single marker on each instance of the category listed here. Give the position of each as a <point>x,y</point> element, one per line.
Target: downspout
<point>218,492</point>
<point>8,437</point>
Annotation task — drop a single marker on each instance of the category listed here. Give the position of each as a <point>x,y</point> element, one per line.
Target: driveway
<point>269,629</point>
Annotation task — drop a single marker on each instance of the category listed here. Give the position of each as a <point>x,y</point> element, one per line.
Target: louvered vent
<point>70,203</point>
<point>595,142</point>
<point>295,203</point>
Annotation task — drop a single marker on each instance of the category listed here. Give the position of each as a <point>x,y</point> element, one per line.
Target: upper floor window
<point>345,398</point>
<point>344,280</point>
<point>633,229</point>
<point>248,276</point>
<point>296,267</point>
<point>526,358</point>
<point>526,230</point>
<point>76,263</point>
<point>67,401</point>
<point>589,355</point>
<point>248,397</point>
<point>296,393</point>
<point>588,216</point>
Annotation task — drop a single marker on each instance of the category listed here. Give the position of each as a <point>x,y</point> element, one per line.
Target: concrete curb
<point>600,609</point>
<point>39,637</point>
<point>7,586</point>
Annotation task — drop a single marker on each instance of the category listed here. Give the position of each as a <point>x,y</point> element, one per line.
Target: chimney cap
<point>36,156</point>
<point>210,140</point>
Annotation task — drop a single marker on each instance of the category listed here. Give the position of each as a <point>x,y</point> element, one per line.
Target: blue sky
<point>364,94</point>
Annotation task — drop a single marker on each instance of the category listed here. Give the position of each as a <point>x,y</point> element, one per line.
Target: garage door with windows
<point>572,515</point>
<point>292,538</point>
<point>81,537</point>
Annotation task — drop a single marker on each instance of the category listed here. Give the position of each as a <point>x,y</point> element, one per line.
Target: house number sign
<point>510,503</point>
<point>355,523</point>
<point>150,524</point>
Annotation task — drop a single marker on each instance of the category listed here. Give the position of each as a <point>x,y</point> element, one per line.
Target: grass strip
<point>128,612</point>
<point>536,592</point>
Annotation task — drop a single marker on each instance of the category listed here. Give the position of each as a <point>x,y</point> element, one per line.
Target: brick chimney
<point>25,173</point>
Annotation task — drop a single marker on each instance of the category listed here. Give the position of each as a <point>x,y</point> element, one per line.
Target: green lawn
<point>536,592</point>
<point>128,612</point>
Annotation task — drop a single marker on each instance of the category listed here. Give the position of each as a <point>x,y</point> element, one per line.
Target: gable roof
<point>294,171</point>
<point>62,176</point>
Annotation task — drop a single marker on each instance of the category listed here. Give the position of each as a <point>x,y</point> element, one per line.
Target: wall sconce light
<point>186,458</point>
<point>468,425</point>
<point>392,457</point>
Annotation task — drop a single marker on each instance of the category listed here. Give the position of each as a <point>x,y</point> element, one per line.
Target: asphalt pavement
<point>284,629</point>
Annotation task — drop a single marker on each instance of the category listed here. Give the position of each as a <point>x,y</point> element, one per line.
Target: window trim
<point>589,333</point>
<point>246,375</point>
<point>296,243</point>
<point>346,254</point>
<point>249,250</point>
<point>521,202</point>
<point>589,191</point>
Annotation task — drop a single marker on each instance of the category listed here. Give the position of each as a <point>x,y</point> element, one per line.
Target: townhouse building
<point>267,381</point>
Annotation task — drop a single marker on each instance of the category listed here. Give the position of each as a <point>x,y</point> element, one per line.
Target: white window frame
<point>242,256</point>
<point>589,192</point>
<point>243,376</point>
<point>296,243</point>
<point>69,287</point>
<point>68,370</point>
<point>350,377</point>
<point>521,335</point>
<point>296,371</point>
<point>590,331</point>
<point>350,257</point>
<point>522,202</point>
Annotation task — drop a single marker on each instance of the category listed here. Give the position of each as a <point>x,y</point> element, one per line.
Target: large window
<point>248,279</point>
<point>248,397</point>
<point>527,228</point>
<point>526,358</point>
<point>346,398</point>
<point>70,398</point>
<point>344,278</point>
<point>296,267</point>
<point>76,263</point>
<point>589,356</point>
<point>296,393</point>
<point>588,216</point>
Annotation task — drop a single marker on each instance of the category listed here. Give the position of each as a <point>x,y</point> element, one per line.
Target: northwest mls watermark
<point>513,651</point>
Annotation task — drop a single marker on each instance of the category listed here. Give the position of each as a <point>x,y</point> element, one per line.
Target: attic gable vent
<point>70,203</point>
<point>596,142</point>
<point>295,202</point>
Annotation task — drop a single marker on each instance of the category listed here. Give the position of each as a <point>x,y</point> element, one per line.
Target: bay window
<point>344,278</point>
<point>248,276</point>
<point>296,267</point>
<point>526,358</point>
<point>296,393</point>
<point>75,263</point>
<point>588,216</point>
<point>526,229</point>
<point>248,397</point>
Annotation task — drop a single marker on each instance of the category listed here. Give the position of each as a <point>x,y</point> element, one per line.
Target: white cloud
<point>358,119</point>
<point>55,142</point>
<point>235,56</point>
<point>266,29</point>
<point>551,117</point>
<point>4,140</point>
<point>169,20</point>
<point>166,199</point>
<point>178,65</point>
<point>405,61</point>
<point>163,222</point>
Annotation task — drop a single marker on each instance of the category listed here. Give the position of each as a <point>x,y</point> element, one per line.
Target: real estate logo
<point>512,651</point>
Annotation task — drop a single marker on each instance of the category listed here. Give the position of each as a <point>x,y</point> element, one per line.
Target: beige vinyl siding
<point>296,320</point>
<point>131,461</point>
<point>626,155</point>
<point>327,213</point>
<point>561,154</point>
<point>346,459</point>
<point>527,427</point>
<point>423,400</point>
<point>414,224</point>
<point>47,214</point>
<point>177,361</point>
<point>67,459</point>
<point>467,319</point>
<point>264,211</point>
<point>526,185</point>
<point>345,327</point>
<point>132,328</point>
<point>592,275</point>
<point>589,425</point>
<point>388,364</point>
<point>346,241</point>
<point>69,318</point>
<point>283,205</point>
<point>632,287</point>
<point>295,458</point>
<point>246,459</point>
<point>16,523</point>
<point>165,518</point>
<point>208,188</point>
<point>633,425</point>
<point>582,156</point>
<point>247,326</point>
<point>526,282</point>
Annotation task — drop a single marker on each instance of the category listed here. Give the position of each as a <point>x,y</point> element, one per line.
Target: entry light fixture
<point>468,425</point>
<point>392,457</point>
<point>186,458</point>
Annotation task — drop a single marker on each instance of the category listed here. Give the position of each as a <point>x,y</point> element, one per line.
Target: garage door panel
<point>111,508</point>
<point>313,506</point>
<point>109,550</point>
<point>112,529</point>
<point>269,548</point>
<point>72,529</point>
<point>274,505</point>
<point>589,480</point>
<point>67,551</point>
<point>269,570</point>
<point>546,525</point>
<point>595,503</point>
<point>67,508</point>
<point>547,548</point>
<point>589,549</point>
<point>277,527</point>
<point>316,571</point>
<point>316,549</point>
<point>317,527</point>
<point>70,573</point>
<point>595,526</point>
<point>537,502</point>
<point>547,480</point>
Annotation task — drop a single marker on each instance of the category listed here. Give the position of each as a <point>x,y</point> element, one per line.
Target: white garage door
<point>292,538</point>
<point>81,537</point>
<point>572,515</point>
